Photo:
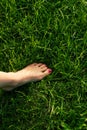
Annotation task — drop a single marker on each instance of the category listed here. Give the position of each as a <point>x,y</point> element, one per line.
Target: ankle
<point>18,78</point>
<point>14,80</point>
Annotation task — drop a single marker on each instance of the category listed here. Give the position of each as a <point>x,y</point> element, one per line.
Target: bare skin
<point>33,72</point>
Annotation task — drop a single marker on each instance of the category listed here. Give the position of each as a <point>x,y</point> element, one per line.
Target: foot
<point>33,72</point>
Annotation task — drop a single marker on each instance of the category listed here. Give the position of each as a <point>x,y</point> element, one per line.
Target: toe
<point>47,72</point>
<point>44,73</point>
<point>34,64</point>
<point>44,68</point>
<point>40,64</point>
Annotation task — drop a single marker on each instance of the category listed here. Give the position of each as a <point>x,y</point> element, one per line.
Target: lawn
<point>53,32</point>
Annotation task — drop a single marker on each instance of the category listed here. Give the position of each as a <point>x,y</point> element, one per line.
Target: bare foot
<point>33,72</point>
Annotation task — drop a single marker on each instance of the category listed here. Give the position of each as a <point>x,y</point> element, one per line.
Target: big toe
<point>47,72</point>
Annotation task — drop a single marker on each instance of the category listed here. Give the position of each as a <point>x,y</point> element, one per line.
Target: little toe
<point>34,64</point>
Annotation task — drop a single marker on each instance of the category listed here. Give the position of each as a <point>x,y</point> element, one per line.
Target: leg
<point>33,72</point>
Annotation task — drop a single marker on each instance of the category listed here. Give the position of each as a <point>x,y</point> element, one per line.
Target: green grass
<point>55,33</point>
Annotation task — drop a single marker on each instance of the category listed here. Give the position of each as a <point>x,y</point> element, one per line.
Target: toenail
<point>49,70</point>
